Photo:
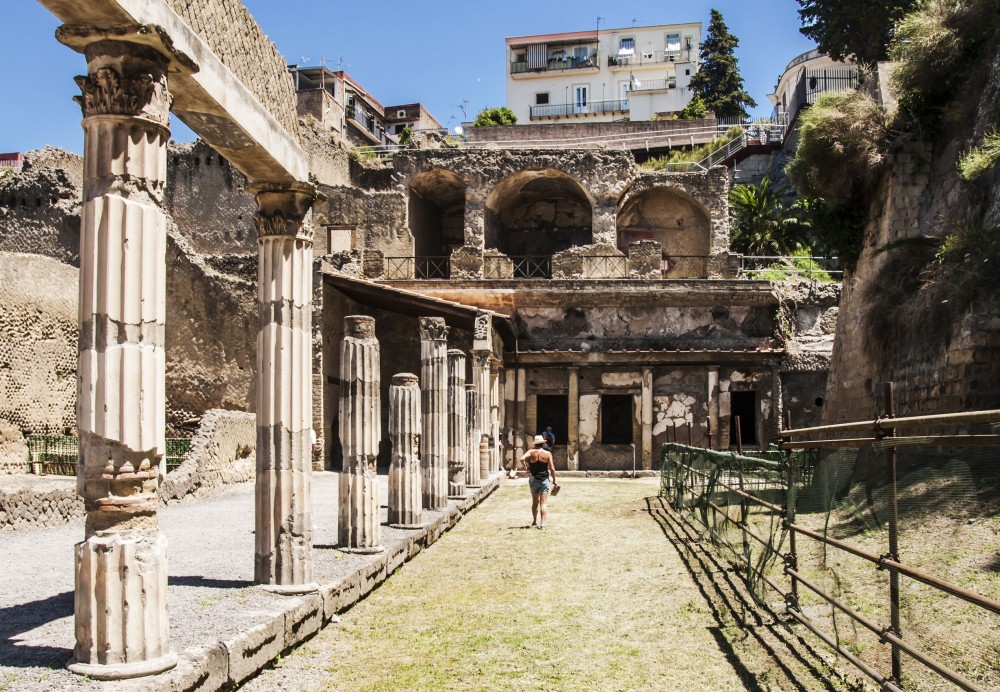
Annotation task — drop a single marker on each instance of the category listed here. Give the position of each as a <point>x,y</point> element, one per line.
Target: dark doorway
<point>743,405</point>
<point>616,419</point>
<point>553,411</point>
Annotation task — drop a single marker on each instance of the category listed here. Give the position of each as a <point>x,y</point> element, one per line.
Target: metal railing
<point>403,268</point>
<point>58,455</point>
<point>605,267</point>
<point>590,108</point>
<point>654,84</point>
<point>812,268</point>
<point>556,64</point>
<point>649,57</point>
<point>532,267</point>
<point>830,552</point>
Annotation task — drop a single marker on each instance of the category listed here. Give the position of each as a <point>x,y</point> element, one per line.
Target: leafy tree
<point>695,109</point>
<point>763,223</point>
<point>718,81</point>
<point>492,117</point>
<point>858,29</point>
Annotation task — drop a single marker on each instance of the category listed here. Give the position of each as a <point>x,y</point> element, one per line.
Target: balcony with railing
<point>563,110</point>
<point>649,57</point>
<point>556,63</point>
<point>654,84</point>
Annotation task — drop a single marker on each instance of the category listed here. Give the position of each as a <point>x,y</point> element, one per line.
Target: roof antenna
<point>599,20</point>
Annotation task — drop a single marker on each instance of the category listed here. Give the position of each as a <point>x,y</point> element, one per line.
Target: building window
<point>616,419</point>
<point>743,405</point>
<point>553,412</point>
<point>626,46</point>
<point>542,99</point>
<point>673,42</point>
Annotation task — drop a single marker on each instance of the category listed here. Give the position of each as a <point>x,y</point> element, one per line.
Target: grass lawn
<point>607,598</point>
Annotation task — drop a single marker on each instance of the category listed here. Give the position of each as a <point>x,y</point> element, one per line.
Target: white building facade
<point>602,75</point>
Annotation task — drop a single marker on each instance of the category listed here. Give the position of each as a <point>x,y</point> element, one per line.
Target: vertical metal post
<point>708,433</point>
<point>890,463</point>
<point>792,560</point>
<point>739,442</point>
<point>690,440</point>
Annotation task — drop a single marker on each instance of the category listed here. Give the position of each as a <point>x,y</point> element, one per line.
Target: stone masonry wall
<point>239,42</point>
<point>222,453</point>
<point>35,502</point>
<point>569,130</point>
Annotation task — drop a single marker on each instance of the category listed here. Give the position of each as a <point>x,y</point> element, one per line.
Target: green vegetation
<point>405,136</point>
<point>935,48</point>
<point>979,160</point>
<point>861,29</point>
<point>763,223</point>
<point>718,81</point>
<point>842,146</point>
<point>493,117</point>
<point>676,158</point>
<point>695,110</point>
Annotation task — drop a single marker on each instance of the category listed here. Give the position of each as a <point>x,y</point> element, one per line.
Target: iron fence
<point>58,455</point>
<point>404,268</point>
<point>868,540</point>
<point>589,108</point>
<point>532,267</point>
<point>605,267</point>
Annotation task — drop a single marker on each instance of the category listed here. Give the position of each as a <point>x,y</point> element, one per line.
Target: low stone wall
<point>35,502</point>
<point>558,131</point>
<point>222,454</point>
<point>13,449</point>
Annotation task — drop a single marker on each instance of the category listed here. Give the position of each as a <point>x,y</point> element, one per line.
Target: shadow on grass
<point>725,597</point>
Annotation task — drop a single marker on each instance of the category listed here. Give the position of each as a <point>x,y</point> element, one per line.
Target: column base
<point>290,589</point>
<point>123,671</point>
<point>371,550</point>
<point>456,497</point>
<point>409,527</point>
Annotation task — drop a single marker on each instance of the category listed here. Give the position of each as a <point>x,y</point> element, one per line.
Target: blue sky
<point>398,51</point>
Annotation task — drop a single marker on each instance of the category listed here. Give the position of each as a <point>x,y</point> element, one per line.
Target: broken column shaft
<point>434,410</point>
<point>404,471</point>
<point>360,435</point>
<point>458,434</point>
<point>120,597</point>
<point>283,534</point>
<point>481,378</point>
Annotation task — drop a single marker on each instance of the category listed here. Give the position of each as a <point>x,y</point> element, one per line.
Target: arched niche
<point>538,213</point>
<point>673,218</point>
<point>436,212</point>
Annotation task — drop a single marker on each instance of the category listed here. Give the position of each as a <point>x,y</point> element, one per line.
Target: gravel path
<point>210,561</point>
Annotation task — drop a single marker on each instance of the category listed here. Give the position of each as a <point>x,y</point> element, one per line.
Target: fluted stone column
<point>458,433</point>
<point>481,378</point>
<point>473,433</point>
<point>646,418</point>
<point>283,554</point>
<point>120,596</point>
<point>573,421</point>
<point>405,479</point>
<point>495,400</point>
<point>434,410</point>
<point>360,435</point>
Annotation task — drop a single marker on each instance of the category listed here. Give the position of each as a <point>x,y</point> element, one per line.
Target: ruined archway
<point>674,219</point>
<point>538,213</point>
<point>436,212</point>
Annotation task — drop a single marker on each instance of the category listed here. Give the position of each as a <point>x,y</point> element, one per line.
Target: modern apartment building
<point>602,75</point>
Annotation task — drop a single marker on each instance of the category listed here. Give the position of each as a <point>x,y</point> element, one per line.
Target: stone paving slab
<point>223,627</point>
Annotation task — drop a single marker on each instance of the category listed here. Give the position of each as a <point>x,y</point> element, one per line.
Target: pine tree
<point>856,29</point>
<point>718,82</point>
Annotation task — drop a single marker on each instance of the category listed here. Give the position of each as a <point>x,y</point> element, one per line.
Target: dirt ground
<point>614,595</point>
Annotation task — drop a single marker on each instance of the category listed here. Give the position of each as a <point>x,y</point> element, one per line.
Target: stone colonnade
<point>405,424</point>
<point>120,592</point>
<point>434,409</point>
<point>458,434</point>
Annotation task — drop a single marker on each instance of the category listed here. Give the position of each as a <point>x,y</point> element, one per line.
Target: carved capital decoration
<point>433,329</point>
<point>481,359</point>
<point>483,327</point>
<point>106,92</point>
<point>278,224</point>
<point>282,211</point>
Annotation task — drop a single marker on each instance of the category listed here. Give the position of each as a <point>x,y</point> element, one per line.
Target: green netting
<point>58,454</point>
<point>947,502</point>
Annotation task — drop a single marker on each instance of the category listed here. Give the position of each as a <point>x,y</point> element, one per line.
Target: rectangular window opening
<point>542,99</point>
<point>616,419</point>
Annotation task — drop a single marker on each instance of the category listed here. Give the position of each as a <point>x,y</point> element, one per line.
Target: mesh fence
<point>887,549</point>
<point>57,455</point>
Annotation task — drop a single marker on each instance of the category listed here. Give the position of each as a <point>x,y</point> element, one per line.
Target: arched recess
<point>436,212</point>
<point>674,219</point>
<point>538,212</point>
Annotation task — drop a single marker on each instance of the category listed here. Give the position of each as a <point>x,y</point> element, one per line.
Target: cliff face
<point>899,320</point>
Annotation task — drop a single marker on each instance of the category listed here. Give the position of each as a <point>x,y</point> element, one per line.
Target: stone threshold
<point>292,620</point>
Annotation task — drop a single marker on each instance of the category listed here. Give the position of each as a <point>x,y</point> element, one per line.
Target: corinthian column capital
<point>282,209</point>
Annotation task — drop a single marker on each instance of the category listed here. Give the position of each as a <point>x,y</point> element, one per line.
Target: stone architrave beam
<point>458,433</point>
<point>360,435</point>
<point>283,560</point>
<point>473,433</point>
<point>434,409</point>
<point>120,596</point>
<point>404,469</point>
<point>207,96</point>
